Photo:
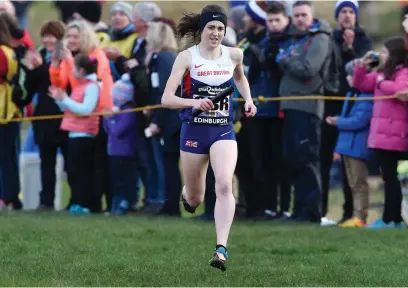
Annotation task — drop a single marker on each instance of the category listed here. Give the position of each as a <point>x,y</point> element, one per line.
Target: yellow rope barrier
<point>106,113</point>
<point>259,99</point>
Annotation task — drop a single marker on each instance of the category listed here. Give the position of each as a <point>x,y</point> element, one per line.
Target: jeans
<point>123,177</point>
<point>301,151</point>
<point>155,191</point>
<point>141,172</point>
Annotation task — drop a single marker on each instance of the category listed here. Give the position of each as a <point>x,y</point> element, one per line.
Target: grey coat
<point>304,63</point>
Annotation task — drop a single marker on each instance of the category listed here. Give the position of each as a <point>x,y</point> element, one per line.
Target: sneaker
<point>285,215</point>
<point>344,219</point>
<point>83,210</point>
<point>269,214</point>
<point>354,222</point>
<point>380,224</point>
<point>123,207</point>
<point>73,209</point>
<point>78,210</point>
<point>219,259</point>
<point>325,222</point>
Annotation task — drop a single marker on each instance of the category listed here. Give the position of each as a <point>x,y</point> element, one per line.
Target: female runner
<point>204,70</point>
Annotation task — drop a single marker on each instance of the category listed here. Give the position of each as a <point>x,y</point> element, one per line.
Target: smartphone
<point>58,48</point>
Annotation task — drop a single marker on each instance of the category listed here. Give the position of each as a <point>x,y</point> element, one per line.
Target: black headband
<point>212,16</point>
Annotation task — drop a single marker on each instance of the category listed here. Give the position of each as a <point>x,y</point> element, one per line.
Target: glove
<point>282,55</point>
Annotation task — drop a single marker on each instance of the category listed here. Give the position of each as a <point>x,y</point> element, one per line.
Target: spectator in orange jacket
<point>80,37</point>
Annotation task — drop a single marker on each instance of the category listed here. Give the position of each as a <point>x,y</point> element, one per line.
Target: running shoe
<point>187,206</point>
<point>219,259</point>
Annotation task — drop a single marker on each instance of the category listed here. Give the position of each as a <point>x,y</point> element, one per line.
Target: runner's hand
<point>250,108</point>
<point>204,105</point>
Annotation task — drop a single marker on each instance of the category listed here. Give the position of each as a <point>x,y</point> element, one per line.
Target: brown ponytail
<point>189,27</point>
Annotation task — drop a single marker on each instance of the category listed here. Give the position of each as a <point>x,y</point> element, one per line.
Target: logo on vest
<point>211,90</point>
<point>225,65</point>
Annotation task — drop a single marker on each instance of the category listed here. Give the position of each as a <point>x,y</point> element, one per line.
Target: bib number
<point>221,109</point>
<point>222,106</point>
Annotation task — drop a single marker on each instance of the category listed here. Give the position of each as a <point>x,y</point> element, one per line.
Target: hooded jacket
<point>303,61</point>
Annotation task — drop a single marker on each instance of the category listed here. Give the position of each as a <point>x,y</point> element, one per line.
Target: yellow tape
<point>106,113</point>
<point>259,99</point>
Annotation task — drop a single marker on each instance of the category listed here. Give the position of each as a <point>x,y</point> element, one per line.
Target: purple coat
<point>122,133</point>
<point>389,122</point>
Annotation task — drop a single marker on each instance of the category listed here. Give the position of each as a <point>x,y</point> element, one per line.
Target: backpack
<point>19,93</point>
<point>330,72</point>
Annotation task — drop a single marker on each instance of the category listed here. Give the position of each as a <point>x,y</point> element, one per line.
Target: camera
<point>375,60</point>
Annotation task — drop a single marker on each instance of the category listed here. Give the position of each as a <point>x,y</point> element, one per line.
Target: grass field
<point>55,249</point>
<point>61,250</point>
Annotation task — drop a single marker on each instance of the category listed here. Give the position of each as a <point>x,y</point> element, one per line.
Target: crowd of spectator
<point>85,66</point>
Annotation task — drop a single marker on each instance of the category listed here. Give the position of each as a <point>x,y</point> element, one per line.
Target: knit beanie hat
<point>123,7</point>
<point>90,11</point>
<point>346,3</point>
<point>256,11</point>
<point>122,91</point>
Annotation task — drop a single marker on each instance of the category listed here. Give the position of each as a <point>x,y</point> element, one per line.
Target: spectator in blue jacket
<point>354,127</point>
<point>279,28</point>
<point>264,131</point>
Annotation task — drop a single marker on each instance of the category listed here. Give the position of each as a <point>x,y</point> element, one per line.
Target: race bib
<point>221,109</point>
